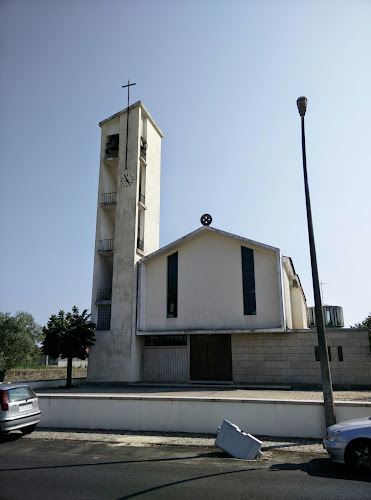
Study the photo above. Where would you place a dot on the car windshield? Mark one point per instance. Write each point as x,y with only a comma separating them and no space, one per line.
20,394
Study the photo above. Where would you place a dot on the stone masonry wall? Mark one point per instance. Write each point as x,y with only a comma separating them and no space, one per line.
46,374
289,358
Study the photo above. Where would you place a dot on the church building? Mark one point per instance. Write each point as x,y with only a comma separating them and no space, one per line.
209,307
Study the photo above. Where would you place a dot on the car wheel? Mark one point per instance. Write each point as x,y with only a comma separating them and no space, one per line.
358,455
28,429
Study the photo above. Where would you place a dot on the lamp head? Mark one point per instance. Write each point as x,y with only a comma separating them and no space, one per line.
302,105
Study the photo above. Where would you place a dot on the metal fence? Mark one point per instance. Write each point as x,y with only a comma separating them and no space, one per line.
106,245
109,199
104,294
111,153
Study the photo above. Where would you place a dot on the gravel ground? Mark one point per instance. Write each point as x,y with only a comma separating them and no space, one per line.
129,438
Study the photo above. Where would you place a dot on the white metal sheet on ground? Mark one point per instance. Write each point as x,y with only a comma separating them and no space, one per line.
237,443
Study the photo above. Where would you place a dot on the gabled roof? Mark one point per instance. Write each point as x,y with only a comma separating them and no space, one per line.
197,232
135,105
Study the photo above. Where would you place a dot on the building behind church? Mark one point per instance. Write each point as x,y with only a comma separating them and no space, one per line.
209,307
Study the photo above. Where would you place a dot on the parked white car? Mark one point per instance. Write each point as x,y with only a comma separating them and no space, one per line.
350,442
19,408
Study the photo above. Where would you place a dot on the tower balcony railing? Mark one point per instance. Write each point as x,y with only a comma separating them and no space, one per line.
109,199
106,245
104,294
111,154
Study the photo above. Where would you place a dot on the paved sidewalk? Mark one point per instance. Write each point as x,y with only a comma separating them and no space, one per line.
207,392
129,438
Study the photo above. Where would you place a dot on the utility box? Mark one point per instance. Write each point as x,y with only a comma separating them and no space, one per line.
237,443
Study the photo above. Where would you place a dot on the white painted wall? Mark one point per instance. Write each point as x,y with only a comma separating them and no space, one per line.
270,418
298,308
76,362
210,287
152,187
51,383
295,302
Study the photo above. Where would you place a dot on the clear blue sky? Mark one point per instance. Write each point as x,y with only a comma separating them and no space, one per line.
221,79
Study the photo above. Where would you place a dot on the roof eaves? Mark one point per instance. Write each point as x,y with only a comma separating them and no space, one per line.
136,104
173,244
195,233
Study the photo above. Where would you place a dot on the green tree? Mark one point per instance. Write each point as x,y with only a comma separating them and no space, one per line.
68,335
28,324
366,323
17,346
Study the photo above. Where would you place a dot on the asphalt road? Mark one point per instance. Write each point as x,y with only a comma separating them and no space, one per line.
64,469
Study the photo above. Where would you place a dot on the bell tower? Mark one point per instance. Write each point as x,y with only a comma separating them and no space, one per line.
127,229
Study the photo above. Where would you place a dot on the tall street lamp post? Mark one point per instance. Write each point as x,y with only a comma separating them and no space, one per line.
323,353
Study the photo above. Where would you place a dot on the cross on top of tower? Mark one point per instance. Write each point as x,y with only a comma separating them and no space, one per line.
128,86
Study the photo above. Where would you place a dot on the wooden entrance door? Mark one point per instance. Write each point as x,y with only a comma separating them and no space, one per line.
211,357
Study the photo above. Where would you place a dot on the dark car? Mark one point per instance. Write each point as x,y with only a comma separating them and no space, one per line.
19,408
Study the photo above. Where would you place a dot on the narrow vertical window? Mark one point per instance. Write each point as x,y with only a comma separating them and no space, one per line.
248,281
340,353
172,286
316,350
329,353
316,353
104,317
140,234
142,185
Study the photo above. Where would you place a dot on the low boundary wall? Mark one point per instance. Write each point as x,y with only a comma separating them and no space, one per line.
202,415
48,383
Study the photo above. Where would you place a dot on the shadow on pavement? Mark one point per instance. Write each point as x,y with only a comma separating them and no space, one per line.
181,481
116,462
9,438
323,467
316,467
